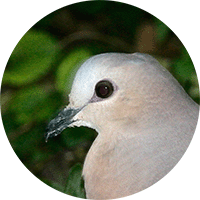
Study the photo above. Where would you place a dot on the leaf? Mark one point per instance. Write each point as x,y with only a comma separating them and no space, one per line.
184,66
34,104
67,69
31,58
74,185
162,30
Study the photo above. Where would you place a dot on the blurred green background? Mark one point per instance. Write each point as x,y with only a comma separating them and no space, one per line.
40,71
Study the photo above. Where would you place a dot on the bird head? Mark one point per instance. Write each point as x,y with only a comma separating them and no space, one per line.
112,89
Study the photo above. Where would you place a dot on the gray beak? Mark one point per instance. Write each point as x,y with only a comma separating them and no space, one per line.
61,122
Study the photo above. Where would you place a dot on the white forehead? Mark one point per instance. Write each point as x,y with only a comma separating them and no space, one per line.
95,69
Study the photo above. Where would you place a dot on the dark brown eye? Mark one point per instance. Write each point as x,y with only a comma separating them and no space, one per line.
104,89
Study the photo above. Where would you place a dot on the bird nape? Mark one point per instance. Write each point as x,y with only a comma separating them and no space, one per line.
144,119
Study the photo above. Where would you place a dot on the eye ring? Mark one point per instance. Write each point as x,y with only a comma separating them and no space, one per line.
104,89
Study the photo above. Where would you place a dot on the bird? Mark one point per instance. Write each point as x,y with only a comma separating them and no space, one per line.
144,120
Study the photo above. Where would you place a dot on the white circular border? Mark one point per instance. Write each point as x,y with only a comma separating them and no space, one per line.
16,17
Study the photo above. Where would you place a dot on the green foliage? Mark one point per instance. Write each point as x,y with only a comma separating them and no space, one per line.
74,184
162,30
74,137
31,58
29,105
183,66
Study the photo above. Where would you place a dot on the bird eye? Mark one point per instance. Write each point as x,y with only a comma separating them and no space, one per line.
104,89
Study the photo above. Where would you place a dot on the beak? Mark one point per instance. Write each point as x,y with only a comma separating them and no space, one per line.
61,122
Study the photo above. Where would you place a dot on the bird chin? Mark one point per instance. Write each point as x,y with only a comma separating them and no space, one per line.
78,123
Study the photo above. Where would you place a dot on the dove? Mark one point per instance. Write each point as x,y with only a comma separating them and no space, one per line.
144,120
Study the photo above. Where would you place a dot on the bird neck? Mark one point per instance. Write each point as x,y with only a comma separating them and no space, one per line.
141,159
